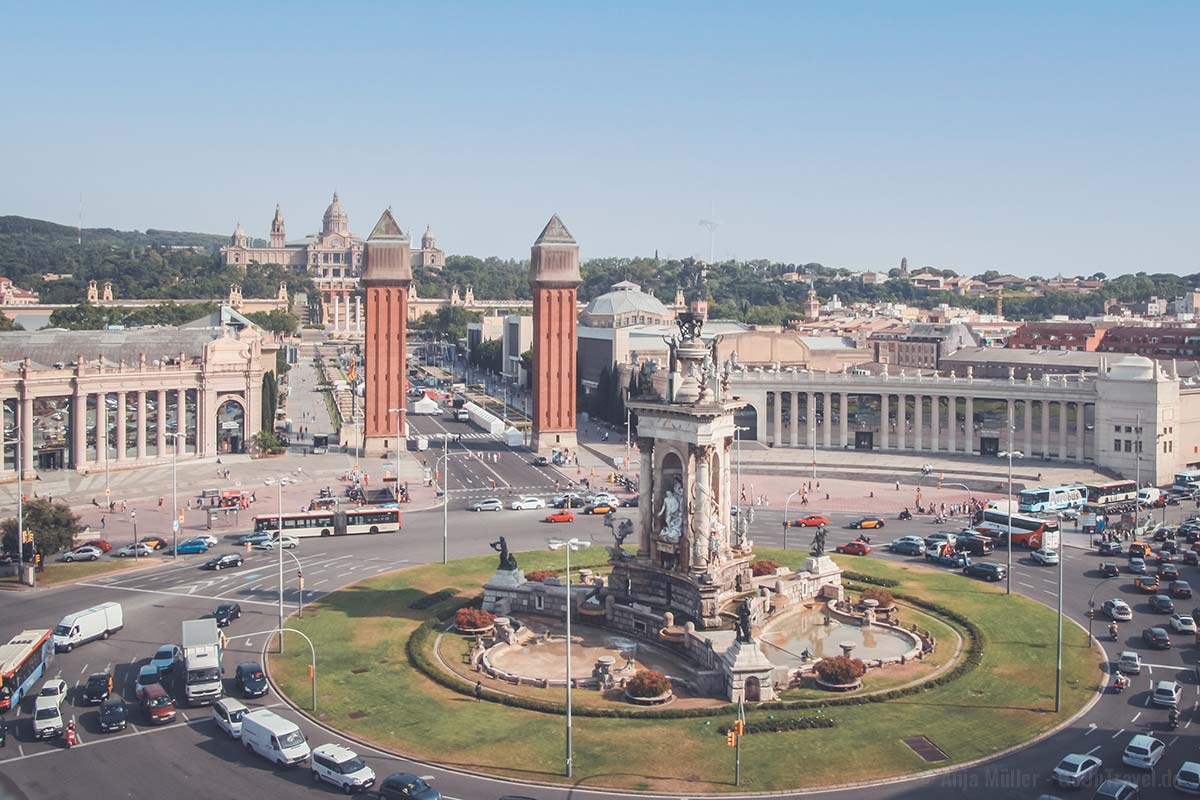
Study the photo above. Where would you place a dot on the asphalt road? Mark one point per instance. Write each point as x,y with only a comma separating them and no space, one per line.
190,758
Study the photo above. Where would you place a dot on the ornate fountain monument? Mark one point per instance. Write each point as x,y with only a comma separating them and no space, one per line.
689,587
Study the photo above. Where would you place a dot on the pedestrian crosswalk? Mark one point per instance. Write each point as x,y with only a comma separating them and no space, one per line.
432,437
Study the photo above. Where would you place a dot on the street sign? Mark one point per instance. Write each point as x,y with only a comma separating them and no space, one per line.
175,526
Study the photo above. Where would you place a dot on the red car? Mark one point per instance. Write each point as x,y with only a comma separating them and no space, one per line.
562,515
811,521
854,548
100,543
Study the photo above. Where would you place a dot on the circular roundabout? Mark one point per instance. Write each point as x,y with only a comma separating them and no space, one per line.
909,669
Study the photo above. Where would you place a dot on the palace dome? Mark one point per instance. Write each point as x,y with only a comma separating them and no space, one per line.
335,220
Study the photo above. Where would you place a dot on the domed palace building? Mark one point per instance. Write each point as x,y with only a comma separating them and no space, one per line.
332,257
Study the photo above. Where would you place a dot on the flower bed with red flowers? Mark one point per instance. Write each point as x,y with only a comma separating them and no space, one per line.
473,619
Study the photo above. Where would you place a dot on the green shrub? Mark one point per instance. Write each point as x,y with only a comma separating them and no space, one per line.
871,579
428,601
784,724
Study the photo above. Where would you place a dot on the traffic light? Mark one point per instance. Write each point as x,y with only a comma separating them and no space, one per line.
787,524
1091,613
739,727
731,739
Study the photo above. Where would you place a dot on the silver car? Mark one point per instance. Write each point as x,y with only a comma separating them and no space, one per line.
490,504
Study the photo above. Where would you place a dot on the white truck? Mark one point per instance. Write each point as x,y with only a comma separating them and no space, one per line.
97,622
201,643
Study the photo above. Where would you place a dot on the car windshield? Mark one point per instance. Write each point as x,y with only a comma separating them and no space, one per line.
236,715
164,653
1189,775
1138,750
352,766
50,712
291,739
417,786
98,681
62,630
112,709
49,691
147,678
159,702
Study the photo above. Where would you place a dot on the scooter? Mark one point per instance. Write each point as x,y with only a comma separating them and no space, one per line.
905,515
1173,719
1112,633
863,539
1119,684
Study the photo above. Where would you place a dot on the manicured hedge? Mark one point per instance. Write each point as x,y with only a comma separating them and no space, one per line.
871,579
784,724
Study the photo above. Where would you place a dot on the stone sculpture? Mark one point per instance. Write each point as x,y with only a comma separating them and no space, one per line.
671,513
508,562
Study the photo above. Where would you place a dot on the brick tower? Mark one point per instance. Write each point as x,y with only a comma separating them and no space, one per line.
386,277
554,278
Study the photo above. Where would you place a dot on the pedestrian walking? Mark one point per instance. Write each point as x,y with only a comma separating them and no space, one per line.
103,522
478,691
897,486
160,502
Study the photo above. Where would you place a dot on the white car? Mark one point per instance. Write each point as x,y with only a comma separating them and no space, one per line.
1076,770
207,538
56,689
227,714
527,504
1183,623
1013,453
1069,513
1142,752
1046,556
47,718
607,498
490,504
1166,694
139,550
1187,779
85,553
289,542
341,767
1129,662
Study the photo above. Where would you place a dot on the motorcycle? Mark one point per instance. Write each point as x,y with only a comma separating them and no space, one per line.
1119,684
1173,719
1112,632
905,515
863,538
70,735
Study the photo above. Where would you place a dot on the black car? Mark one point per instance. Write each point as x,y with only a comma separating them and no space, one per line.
112,715
1161,604
986,570
1164,556
541,461
405,786
97,688
1156,638
574,501
630,502
1162,534
1170,547
227,613
1109,569
974,545
1168,572
224,562
250,680
1191,557
1180,589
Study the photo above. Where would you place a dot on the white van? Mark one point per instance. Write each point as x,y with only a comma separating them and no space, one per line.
98,622
274,738
227,713
1148,496
422,444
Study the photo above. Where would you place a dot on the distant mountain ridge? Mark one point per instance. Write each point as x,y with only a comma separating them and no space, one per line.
13,225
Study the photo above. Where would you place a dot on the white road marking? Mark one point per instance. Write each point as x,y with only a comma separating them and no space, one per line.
1091,729
170,594
1093,750
1026,585
1135,717
1118,733
1173,741
85,666
318,583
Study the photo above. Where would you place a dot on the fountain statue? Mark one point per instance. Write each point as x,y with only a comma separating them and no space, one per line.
508,562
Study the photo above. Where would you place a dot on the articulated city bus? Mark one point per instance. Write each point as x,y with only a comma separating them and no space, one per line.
1115,493
1027,531
22,663
331,523
1186,481
1052,498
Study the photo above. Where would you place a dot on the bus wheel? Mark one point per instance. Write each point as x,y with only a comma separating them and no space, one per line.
374,529
325,531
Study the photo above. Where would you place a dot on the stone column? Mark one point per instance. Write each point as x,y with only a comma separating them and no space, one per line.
952,423
101,427
795,432
646,502
206,422
698,546
844,416
1080,430
1062,430
181,416
27,466
901,422
121,410
935,420
161,437
969,425
827,403
1028,414
777,434
78,427
141,424
919,420
884,411
1045,450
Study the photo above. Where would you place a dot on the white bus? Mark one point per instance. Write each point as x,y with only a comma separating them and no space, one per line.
1051,498
331,523
1187,481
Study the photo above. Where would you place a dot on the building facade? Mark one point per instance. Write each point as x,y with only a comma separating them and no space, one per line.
922,345
1182,342
96,400
1080,336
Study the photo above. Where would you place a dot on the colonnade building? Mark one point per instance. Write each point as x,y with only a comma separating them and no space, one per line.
91,400
1132,409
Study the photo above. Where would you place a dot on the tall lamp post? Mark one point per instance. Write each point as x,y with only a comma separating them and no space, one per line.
1008,574
568,546
176,522
444,464
1058,663
786,522
737,454
1137,470
279,547
399,434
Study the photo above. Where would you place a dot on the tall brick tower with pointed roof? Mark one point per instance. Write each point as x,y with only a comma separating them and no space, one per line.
386,277
554,278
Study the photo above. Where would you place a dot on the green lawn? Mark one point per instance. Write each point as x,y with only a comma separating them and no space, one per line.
367,687
58,571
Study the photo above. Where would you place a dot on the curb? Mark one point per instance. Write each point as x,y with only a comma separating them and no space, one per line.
570,789
80,579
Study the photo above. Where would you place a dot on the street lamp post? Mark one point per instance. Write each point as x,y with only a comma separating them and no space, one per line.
1058,663
175,521
786,521
1008,574
399,434
279,547
1137,470
568,546
133,519
812,435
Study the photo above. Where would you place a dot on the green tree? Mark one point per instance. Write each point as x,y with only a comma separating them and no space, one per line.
270,400
276,321
54,527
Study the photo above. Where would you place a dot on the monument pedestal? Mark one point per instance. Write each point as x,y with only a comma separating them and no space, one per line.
500,588
748,673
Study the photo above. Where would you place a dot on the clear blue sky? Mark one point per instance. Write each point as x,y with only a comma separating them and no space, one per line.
1027,137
